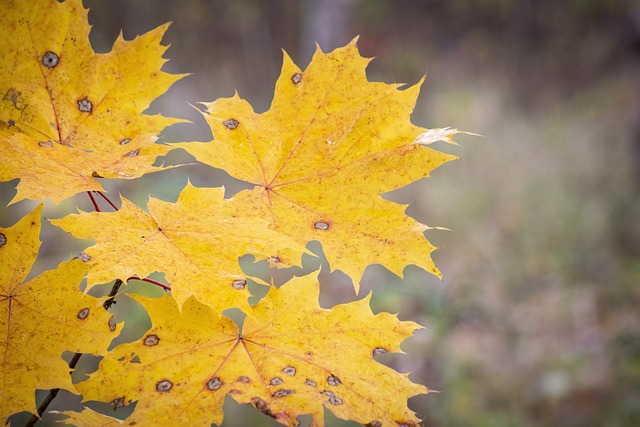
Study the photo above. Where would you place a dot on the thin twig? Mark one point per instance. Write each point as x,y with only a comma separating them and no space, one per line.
153,282
101,194
93,200
112,294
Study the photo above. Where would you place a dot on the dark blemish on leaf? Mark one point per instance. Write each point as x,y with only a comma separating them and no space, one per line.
239,284
333,380
310,383
12,95
262,406
151,340
132,153
374,423
125,141
45,143
333,399
244,379
164,386
289,370
85,105
379,350
3,239
11,123
112,323
231,124
234,391
276,381
275,259
296,78
83,314
50,59
96,174
282,393
117,403
321,225
84,257
214,383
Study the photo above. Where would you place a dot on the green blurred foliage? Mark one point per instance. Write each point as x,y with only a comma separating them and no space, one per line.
536,322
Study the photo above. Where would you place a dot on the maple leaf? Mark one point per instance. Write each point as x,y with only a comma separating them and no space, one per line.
42,318
329,146
291,358
196,242
67,114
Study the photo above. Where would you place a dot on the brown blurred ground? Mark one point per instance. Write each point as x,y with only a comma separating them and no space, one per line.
536,323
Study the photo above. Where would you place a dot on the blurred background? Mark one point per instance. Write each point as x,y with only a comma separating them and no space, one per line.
536,322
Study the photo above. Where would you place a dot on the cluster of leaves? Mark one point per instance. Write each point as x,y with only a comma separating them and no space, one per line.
329,146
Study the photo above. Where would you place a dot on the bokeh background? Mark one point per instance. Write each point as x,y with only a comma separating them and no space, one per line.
536,322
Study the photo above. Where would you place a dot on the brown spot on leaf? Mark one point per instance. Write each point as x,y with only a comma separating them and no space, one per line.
125,141
50,59
379,350
239,284
234,391
282,393
164,386
112,323
133,153
85,105
333,399
3,239
274,259
333,380
231,124
276,381
83,314
151,340
321,225
310,383
262,406
45,143
296,78
96,174
84,257
214,384
244,379
117,403
289,370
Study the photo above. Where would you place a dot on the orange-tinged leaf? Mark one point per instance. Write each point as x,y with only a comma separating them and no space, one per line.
196,242
42,318
67,114
292,358
329,146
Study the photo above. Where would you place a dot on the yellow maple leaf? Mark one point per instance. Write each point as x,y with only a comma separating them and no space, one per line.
329,146
291,358
196,242
67,114
42,318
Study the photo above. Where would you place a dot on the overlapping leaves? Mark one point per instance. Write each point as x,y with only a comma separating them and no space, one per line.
321,158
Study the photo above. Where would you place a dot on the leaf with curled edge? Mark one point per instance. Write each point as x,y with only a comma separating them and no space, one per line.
195,242
67,114
42,318
322,155
292,358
